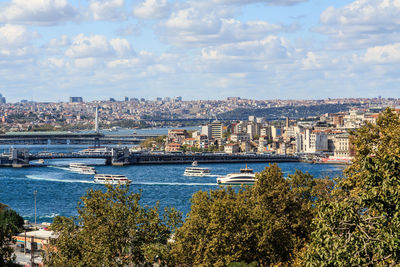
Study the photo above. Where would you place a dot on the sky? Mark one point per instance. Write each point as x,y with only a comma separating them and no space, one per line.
199,49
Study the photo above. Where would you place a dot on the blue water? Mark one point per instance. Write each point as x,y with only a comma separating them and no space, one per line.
59,190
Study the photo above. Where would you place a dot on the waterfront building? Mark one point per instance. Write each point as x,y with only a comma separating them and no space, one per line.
177,135
266,131
240,137
275,132
231,148
206,130
342,146
216,129
171,147
311,141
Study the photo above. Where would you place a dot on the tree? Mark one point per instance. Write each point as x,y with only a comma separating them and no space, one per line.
112,229
267,223
10,224
360,223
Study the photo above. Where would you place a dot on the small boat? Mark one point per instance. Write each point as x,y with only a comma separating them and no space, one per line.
40,161
196,171
244,177
81,168
111,179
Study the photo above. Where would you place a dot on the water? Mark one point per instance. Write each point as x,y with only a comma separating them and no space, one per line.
59,190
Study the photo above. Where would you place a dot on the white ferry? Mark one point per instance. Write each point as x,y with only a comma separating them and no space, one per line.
81,168
94,150
196,171
244,177
111,179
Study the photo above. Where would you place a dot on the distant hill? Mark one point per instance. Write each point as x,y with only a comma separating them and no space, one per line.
293,112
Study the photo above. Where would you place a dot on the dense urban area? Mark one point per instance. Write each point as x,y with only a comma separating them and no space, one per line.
322,132
279,220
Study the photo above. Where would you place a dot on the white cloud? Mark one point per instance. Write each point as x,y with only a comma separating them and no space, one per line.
271,48
37,12
121,47
93,46
383,54
97,46
197,27
362,23
56,62
86,63
107,9
15,36
267,2
62,42
152,9
130,29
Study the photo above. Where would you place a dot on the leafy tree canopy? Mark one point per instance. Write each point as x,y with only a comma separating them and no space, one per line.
360,224
267,223
112,229
11,223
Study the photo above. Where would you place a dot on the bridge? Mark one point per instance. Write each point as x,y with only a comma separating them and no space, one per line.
122,156
71,138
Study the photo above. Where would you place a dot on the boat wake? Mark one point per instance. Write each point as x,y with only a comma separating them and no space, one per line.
41,178
58,167
173,184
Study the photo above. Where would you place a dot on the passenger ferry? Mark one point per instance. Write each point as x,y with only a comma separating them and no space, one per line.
95,150
196,171
111,179
244,177
81,168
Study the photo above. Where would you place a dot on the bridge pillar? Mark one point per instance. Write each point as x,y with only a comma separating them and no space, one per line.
120,156
19,158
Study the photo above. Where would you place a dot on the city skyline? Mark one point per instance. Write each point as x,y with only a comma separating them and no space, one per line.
51,50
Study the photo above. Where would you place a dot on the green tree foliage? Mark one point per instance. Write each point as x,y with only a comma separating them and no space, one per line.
10,224
148,143
267,223
360,223
112,229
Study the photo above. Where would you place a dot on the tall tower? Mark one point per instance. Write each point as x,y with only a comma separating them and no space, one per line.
96,123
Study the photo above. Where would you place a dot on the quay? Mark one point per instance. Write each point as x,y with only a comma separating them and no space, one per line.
122,156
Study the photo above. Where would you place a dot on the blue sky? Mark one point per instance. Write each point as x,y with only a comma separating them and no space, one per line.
199,49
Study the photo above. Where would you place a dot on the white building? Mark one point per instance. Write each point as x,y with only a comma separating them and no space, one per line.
311,141
342,146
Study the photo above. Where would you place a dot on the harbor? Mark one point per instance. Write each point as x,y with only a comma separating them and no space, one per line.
59,189
19,157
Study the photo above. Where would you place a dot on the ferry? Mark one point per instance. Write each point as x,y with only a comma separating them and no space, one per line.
246,176
94,150
111,179
81,168
196,171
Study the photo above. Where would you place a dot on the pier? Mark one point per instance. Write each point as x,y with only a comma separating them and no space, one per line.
122,156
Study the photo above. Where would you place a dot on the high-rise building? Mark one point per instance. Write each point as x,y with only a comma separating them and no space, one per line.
75,99
2,99
216,129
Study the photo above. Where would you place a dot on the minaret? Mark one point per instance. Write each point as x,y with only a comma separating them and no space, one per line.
96,123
